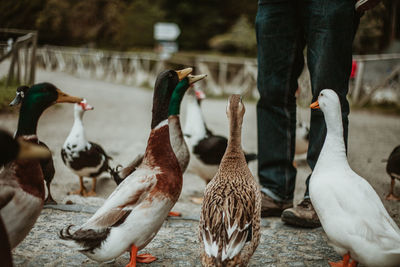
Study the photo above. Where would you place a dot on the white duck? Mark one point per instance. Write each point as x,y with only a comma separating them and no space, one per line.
350,211
84,158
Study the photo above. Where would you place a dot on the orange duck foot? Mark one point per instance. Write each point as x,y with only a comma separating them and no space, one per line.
145,258
342,263
337,264
142,258
392,197
174,214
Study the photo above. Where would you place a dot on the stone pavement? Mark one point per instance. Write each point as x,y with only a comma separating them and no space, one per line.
175,245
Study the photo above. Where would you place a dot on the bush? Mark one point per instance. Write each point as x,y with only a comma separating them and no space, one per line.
7,93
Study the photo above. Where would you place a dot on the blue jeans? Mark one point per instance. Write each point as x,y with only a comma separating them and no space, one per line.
284,28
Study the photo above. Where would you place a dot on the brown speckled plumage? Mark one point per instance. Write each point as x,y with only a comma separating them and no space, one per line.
230,216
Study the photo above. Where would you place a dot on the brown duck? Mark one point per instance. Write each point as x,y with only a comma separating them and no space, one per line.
24,177
229,229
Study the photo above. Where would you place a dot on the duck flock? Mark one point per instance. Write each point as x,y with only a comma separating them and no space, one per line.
351,213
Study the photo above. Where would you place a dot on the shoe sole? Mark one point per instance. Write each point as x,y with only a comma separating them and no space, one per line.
292,219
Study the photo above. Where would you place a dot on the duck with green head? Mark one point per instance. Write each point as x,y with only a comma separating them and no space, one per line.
133,214
47,164
25,177
175,131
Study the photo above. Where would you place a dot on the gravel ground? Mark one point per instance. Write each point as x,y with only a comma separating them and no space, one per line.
121,124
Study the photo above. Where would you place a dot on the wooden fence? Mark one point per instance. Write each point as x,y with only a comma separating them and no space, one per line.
226,75
22,54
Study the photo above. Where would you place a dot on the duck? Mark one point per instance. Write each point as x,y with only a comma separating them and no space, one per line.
351,213
24,177
82,157
47,164
229,228
13,149
133,214
206,149
175,130
393,170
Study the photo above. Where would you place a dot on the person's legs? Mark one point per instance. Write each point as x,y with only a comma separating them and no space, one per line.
329,54
329,28
280,62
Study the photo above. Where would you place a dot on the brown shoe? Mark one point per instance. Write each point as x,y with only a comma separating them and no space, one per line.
271,207
302,215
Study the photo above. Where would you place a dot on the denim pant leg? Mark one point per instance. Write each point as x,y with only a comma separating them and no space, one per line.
280,44
329,28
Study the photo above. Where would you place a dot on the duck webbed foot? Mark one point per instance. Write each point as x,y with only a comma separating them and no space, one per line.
197,200
342,263
142,258
92,193
82,189
145,258
391,195
174,214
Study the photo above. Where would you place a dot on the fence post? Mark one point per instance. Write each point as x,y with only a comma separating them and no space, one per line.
33,59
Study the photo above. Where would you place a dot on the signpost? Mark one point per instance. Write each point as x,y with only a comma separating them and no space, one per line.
165,35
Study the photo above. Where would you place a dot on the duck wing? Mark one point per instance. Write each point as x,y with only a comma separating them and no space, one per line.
125,198
47,166
227,221
358,211
96,148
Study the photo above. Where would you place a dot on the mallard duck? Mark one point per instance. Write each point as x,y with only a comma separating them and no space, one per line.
229,229
13,149
393,169
47,164
351,212
175,131
25,177
84,158
132,215
206,149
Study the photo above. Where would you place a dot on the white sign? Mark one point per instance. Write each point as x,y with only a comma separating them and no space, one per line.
166,31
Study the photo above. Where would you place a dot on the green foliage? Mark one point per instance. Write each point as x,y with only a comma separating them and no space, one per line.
128,24
137,24
7,93
20,13
240,38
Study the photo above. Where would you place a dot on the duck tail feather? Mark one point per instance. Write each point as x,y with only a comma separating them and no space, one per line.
88,239
114,172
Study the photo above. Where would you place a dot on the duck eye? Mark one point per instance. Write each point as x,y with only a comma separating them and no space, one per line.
321,94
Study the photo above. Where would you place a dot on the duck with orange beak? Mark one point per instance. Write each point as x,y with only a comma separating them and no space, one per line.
24,177
351,212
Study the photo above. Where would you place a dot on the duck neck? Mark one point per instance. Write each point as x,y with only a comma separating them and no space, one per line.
195,125
177,96
235,135
28,119
158,144
334,147
160,109
77,129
